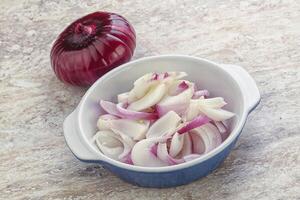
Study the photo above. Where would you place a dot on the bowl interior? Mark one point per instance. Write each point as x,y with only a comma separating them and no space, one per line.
205,74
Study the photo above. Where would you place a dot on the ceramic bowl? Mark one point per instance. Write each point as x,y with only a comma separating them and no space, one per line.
228,81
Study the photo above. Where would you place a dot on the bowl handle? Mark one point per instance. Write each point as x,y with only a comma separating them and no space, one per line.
247,84
74,141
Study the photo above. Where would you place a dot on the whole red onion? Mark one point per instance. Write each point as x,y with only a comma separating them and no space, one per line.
91,46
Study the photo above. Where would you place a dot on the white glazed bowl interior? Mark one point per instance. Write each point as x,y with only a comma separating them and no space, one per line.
206,75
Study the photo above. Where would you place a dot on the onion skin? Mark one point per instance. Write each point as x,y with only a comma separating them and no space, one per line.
92,46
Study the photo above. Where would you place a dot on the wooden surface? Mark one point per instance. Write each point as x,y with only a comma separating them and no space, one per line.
261,36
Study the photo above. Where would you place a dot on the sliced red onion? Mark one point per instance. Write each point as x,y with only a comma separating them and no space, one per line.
198,143
176,146
131,128
153,149
103,121
123,98
182,86
168,76
144,83
155,77
162,76
150,99
140,90
216,114
222,129
109,143
109,107
128,144
162,153
129,114
179,102
141,154
167,106
120,111
177,75
127,159
164,125
217,102
209,107
187,147
207,135
135,135
143,79
198,121
192,111
200,93
214,134
142,86
108,117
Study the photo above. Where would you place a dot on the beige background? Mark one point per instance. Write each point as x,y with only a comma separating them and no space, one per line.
261,36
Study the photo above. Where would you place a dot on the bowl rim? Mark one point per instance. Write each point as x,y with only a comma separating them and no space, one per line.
103,158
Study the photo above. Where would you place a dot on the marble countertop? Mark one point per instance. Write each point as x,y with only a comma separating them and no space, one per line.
261,36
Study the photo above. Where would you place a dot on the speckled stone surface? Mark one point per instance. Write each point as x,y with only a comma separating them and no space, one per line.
261,36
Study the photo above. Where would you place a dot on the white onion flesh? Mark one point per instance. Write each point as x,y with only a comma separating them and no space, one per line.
152,97
164,125
109,143
179,102
141,154
176,144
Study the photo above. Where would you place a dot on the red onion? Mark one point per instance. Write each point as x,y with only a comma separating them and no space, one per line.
200,93
91,46
196,122
119,110
161,121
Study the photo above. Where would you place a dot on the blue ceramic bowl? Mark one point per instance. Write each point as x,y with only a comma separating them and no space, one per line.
228,81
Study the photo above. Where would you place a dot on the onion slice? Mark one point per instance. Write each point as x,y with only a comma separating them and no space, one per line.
217,102
177,75
187,147
144,83
222,129
142,155
109,143
205,138
177,142
162,153
123,98
102,122
217,114
178,88
192,111
128,144
130,114
196,122
120,111
179,102
200,93
140,89
127,159
150,99
209,107
164,125
109,107
134,129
